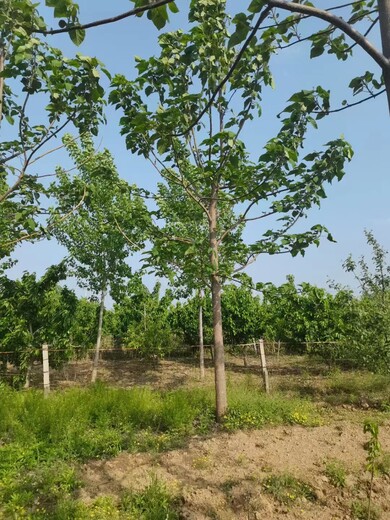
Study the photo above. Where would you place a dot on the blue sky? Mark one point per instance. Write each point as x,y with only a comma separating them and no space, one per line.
359,201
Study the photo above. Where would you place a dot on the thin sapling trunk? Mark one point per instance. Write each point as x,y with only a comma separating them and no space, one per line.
99,336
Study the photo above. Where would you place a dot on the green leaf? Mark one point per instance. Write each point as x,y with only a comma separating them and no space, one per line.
173,7
77,36
159,16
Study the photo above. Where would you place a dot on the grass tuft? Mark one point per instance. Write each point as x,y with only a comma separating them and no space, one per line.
287,489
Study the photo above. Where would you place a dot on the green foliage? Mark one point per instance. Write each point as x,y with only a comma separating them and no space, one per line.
33,312
367,342
110,224
84,327
336,473
373,446
183,318
69,92
141,319
242,315
305,313
330,40
287,489
374,450
204,164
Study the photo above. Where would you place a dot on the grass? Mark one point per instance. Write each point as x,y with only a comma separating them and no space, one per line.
43,440
361,511
287,489
154,502
336,473
358,388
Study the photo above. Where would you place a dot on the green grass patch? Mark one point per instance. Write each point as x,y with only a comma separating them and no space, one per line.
358,387
336,473
287,489
154,502
249,408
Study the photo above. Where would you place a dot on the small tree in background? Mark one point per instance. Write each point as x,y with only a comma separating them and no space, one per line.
370,338
110,224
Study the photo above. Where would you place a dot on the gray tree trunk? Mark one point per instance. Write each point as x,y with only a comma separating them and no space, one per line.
1,83
201,339
384,21
219,354
99,337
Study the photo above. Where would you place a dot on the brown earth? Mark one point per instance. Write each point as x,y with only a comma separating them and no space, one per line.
222,477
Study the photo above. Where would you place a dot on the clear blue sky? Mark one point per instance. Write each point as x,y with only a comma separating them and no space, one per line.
359,201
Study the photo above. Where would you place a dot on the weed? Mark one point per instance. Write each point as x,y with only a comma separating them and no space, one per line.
43,439
153,503
228,485
336,473
373,449
364,511
251,409
201,462
384,464
288,489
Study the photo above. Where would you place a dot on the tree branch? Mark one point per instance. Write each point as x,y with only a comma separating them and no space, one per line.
349,105
338,22
105,21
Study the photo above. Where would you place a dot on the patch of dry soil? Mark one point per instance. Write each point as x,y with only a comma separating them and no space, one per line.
221,477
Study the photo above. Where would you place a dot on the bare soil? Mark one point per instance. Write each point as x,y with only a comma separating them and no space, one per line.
222,477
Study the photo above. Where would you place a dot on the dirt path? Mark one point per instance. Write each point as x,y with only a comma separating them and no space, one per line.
222,477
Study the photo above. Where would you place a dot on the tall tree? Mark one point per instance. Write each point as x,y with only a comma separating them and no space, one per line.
110,224
209,161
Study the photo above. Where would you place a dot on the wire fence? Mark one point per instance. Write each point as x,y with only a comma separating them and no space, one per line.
123,365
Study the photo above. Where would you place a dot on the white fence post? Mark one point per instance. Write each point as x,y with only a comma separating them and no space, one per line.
46,369
264,366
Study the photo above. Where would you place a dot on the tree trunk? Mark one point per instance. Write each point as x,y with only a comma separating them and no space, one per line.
30,361
27,381
1,83
219,355
384,21
201,340
99,337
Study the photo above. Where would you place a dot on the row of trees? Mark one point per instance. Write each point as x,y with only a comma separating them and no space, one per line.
337,325
186,112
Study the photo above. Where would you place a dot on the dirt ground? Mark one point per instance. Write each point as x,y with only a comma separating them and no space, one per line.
168,374
222,477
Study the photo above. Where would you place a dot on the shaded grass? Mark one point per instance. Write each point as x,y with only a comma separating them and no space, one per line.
358,388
